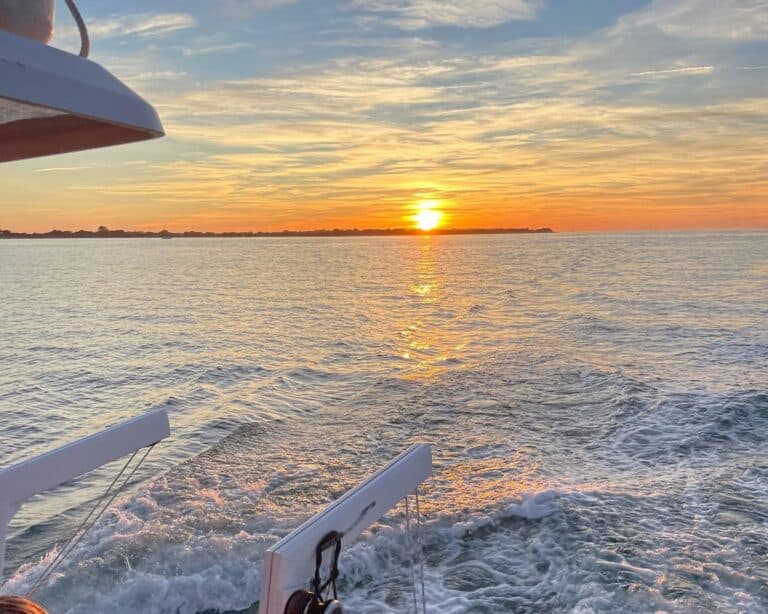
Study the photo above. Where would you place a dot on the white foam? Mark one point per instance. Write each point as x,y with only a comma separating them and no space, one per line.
533,506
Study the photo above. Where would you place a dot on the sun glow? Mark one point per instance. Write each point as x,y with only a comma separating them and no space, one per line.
428,218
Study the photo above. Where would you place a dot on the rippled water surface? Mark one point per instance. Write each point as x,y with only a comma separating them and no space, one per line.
598,406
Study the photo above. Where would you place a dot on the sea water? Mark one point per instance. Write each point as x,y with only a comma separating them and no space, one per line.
597,403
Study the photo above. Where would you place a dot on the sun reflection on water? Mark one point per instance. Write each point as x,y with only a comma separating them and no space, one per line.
428,343
426,285
483,483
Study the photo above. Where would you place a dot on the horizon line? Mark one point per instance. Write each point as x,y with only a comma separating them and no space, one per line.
320,232
105,232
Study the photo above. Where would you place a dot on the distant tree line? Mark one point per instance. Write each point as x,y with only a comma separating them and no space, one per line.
104,232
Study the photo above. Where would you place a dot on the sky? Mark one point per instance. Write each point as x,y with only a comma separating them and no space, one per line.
303,114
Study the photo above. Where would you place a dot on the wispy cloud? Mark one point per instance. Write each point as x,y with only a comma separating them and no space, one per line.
242,9
159,75
675,72
256,4
145,25
63,169
212,49
723,20
417,14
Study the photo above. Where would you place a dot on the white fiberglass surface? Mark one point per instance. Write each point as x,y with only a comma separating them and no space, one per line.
11,111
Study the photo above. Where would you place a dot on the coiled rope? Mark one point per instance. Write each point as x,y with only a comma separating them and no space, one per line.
85,41
90,520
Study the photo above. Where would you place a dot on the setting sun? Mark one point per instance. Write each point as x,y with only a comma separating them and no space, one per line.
428,218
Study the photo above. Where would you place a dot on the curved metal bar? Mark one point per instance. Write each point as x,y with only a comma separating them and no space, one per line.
85,41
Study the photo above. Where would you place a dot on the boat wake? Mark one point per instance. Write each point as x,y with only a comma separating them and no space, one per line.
596,448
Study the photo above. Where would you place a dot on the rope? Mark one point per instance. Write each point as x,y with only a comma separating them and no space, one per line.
85,41
60,556
85,525
423,540
410,550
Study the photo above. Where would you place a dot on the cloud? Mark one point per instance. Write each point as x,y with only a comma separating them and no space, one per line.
64,169
243,8
675,72
159,75
145,25
723,20
262,4
418,14
675,39
533,130
142,25
213,49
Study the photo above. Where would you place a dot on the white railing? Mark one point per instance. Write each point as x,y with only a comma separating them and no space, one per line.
20,482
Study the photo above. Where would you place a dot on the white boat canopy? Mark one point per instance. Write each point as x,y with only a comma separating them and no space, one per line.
53,102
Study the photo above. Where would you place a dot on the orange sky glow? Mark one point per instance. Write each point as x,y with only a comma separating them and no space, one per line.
636,116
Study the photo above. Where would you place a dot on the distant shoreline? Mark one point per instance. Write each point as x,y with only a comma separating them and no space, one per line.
105,233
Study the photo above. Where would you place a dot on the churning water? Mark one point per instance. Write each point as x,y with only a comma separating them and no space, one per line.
598,406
